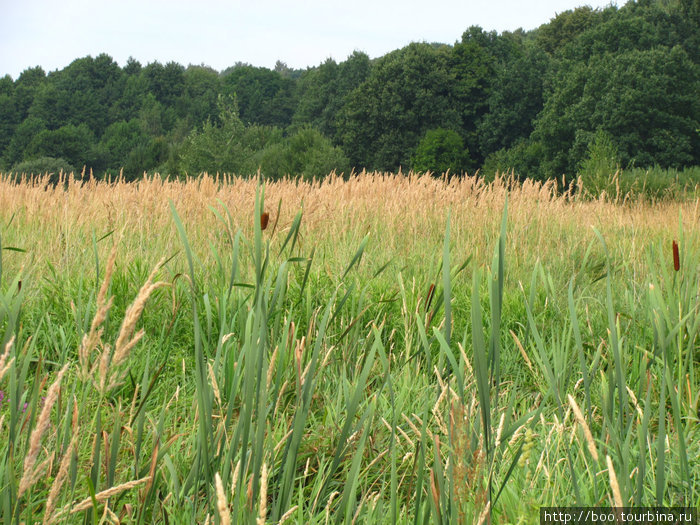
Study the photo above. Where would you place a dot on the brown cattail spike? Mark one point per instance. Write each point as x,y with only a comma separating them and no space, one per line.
264,219
676,257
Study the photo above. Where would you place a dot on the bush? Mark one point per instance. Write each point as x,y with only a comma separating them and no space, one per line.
598,169
441,150
524,160
42,166
307,153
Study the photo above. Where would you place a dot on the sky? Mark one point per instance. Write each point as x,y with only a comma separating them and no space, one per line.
218,33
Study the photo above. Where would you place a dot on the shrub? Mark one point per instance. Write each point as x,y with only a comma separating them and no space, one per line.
42,166
441,150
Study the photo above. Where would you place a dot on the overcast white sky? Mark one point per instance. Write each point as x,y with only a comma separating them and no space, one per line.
218,33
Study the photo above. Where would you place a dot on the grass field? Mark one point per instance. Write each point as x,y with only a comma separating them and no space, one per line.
389,349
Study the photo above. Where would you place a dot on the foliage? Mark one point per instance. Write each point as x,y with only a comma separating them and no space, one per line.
406,93
644,99
441,150
70,142
630,71
264,97
43,165
523,160
598,169
306,153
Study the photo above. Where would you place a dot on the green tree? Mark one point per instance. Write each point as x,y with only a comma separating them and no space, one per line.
306,153
23,135
25,88
117,143
201,91
441,150
600,164
264,97
42,166
473,65
323,90
9,117
523,160
516,99
165,82
646,100
407,92
218,147
567,26
72,143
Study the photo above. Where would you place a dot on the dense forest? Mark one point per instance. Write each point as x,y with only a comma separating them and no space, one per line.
621,83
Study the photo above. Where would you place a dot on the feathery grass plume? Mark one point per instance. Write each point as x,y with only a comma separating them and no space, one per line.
57,484
617,497
586,431
93,338
221,503
127,339
30,473
4,363
676,257
484,514
287,514
87,503
262,512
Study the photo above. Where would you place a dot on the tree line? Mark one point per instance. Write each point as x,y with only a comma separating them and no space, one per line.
620,82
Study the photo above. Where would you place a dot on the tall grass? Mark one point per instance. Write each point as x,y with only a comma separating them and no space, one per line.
166,358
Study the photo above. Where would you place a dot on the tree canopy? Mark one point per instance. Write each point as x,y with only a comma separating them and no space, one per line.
535,101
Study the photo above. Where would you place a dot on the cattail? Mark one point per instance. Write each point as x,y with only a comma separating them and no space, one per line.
264,219
676,257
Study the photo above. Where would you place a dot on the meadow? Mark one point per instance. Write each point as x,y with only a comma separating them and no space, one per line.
385,348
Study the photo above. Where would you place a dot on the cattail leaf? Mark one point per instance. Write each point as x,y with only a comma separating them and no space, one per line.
481,362
456,370
188,251
661,445
357,257
293,233
446,281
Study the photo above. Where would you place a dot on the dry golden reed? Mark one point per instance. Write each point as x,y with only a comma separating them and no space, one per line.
584,426
221,503
57,484
5,364
410,209
617,497
103,496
